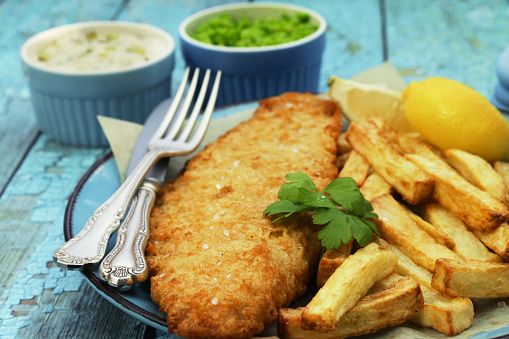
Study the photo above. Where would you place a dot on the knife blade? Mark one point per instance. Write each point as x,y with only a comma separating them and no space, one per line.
125,264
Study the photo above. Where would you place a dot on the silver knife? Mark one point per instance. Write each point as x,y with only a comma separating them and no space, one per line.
125,264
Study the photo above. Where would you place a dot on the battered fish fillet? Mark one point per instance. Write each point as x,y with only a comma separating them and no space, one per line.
219,268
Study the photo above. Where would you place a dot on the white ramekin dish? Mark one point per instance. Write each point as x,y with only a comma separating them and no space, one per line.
67,101
251,73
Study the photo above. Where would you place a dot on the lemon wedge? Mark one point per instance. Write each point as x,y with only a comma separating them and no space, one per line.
359,101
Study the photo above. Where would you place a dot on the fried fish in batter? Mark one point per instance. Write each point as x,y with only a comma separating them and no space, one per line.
219,268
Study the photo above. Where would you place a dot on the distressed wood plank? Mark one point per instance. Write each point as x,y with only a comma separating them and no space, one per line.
92,317
24,18
354,36
32,210
456,39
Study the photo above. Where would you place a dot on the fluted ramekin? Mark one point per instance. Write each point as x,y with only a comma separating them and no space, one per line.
251,73
67,102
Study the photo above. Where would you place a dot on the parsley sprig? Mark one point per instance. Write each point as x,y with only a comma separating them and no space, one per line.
340,207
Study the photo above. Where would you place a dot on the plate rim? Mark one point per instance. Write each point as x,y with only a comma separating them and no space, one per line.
97,283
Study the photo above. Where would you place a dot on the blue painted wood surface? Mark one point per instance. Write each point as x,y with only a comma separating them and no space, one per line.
455,39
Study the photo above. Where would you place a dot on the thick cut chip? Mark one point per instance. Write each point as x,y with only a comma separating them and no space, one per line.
477,171
374,186
497,240
503,169
484,212
406,266
349,283
385,308
466,243
444,313
404,143
471,278
414,185
437,234
355,167
330,261
401,230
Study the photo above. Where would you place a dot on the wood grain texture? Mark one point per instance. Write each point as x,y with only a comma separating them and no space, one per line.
354,36
23,19
458,39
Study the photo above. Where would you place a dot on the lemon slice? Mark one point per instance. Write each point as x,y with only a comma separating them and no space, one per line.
359,101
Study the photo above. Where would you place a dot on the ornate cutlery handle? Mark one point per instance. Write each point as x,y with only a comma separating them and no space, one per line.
126,264
89,246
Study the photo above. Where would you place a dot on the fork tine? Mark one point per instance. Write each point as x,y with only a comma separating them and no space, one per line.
176,126
171,111
197,107
202,128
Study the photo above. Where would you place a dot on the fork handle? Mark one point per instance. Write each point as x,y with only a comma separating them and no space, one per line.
89,245
126,264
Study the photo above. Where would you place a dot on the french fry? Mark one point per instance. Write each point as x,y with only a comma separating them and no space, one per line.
437,234
388,307
343,145
414,185
330,261
355,167
497,240
466,243
477,171
503,169
406,266
404,143
346,286
472,278
399,229
446,314
374,186
484,212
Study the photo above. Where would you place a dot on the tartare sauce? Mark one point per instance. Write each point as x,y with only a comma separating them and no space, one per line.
99,50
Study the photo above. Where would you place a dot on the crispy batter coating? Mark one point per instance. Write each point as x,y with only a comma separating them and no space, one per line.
219,268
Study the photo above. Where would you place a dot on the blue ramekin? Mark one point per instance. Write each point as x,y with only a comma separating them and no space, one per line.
251,73
67,103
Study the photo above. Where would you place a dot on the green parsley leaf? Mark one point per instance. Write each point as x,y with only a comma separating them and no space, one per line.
340,207
314,199
362,229
368,208
336,230
286,207
345,192
290,190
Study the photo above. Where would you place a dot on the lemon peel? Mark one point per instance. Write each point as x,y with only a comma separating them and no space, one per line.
449,114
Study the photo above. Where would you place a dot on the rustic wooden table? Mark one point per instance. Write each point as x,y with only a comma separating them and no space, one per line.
458,39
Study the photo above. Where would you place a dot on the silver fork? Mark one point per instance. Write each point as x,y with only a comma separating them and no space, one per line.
89,246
